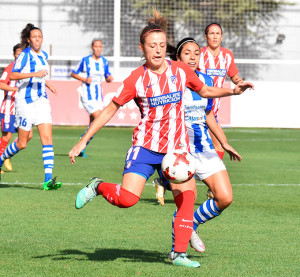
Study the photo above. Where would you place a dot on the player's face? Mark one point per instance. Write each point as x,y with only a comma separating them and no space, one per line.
154,49
97,48
17,53
35,40
190,54
214,37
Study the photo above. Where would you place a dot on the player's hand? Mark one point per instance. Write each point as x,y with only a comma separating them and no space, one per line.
76,151
241,87
52,88
232,153
41,74
88,80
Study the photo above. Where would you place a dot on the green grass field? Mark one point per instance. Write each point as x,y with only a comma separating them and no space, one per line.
42,234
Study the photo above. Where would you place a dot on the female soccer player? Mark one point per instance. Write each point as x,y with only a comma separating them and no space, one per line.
94,67
32,105
217,62
7,109
210,169
157,87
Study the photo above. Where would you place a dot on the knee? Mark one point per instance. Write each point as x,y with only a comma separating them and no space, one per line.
224,201
21,144
127,199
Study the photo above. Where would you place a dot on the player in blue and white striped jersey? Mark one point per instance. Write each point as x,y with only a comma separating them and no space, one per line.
209,167
91,70
32,105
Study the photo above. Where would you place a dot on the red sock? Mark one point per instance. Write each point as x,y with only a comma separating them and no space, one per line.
3,144
183,223
220,154
117,196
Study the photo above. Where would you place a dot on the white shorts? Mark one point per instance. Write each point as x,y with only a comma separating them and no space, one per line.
207,164
92,105
35,113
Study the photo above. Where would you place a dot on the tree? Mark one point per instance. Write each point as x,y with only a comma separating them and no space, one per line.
247,24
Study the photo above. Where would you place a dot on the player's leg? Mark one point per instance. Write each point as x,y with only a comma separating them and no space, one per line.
4,140
124,196
219,184
15,147
93,107
138,168
7,128
45,132
184,197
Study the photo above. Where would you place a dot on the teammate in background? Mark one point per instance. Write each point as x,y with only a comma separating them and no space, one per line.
94,67
7,109
209,167
157,87
32,105
217,62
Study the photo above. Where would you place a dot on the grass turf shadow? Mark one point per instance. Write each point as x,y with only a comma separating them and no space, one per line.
3,185
110,254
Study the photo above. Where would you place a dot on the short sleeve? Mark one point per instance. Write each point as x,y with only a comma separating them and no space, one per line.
106,68
126,91
20,62
5,75
232,70
192,79
79,67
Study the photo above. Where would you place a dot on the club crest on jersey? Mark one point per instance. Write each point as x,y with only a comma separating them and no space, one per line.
216,72
174,79
165,99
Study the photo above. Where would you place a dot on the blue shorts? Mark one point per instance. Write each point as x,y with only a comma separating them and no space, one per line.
8,123
144,162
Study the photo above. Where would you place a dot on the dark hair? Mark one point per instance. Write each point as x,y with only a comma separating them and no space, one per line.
25,34
17,46
94,40
174,52
156,24
207,27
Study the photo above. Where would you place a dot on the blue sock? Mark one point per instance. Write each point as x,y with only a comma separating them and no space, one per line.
48,159
207,211
9,152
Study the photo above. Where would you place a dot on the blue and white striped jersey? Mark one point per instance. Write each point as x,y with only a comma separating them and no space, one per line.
31,89
195,117
96,69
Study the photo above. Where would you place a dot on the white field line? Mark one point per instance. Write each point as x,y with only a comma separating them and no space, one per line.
151,184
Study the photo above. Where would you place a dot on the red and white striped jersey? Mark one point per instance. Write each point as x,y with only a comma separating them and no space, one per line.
159,98
217,68
8,103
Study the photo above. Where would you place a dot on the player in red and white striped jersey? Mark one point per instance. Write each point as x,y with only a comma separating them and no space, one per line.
217,62
157,88
7,109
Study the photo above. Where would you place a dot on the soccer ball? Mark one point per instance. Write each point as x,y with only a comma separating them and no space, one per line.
178,166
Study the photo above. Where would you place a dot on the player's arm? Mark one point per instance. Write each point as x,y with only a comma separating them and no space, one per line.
96,125
221,137
51,87
214,92
6,87
82,79
236,79
19,75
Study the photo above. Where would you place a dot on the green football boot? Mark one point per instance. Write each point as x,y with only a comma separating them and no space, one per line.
181,259
87,193
52,184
